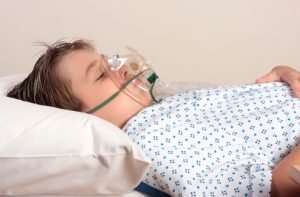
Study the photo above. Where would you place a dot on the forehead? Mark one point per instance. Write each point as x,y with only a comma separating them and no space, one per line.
73,65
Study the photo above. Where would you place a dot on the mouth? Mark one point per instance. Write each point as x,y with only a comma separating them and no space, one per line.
140,83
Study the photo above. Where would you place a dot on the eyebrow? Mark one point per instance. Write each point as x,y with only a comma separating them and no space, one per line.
91,65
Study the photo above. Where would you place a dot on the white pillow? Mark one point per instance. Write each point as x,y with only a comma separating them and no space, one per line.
46,150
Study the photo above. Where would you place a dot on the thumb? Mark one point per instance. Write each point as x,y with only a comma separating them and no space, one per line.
270,77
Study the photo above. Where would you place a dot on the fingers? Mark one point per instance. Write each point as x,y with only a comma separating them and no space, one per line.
270,77
296,89
285,74
293,79
295,85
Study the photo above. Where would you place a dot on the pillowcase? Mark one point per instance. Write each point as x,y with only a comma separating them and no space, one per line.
46,150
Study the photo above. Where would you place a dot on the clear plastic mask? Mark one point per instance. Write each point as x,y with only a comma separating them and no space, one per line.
132,74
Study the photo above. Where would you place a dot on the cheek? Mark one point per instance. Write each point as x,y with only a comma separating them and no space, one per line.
94,94
100,93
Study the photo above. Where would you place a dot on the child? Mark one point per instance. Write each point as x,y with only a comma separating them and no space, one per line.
239,162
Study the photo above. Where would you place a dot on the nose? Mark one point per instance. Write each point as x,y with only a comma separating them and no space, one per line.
124,73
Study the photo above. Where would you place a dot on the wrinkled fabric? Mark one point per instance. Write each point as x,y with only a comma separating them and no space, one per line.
222,141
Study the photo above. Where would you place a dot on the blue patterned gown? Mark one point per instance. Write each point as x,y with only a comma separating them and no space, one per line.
223,141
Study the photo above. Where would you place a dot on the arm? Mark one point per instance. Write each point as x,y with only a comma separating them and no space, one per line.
285,74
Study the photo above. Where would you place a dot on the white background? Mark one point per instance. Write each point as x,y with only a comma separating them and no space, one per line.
221,42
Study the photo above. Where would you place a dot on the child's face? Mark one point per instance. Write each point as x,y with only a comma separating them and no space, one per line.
92,85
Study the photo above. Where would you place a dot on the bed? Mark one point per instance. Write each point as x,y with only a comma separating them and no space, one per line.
35,153
50,151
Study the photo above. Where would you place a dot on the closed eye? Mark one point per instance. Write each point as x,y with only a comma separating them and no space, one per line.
101,76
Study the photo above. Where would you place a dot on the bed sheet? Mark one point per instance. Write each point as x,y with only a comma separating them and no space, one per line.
134,193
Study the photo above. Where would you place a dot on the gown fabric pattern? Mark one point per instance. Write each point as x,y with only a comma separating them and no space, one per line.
222,141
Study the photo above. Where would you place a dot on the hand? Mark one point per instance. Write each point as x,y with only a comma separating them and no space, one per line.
284,74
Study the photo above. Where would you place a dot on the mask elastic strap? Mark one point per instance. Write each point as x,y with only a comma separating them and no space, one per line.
115,94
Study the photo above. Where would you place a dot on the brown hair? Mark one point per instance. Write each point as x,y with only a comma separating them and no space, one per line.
44,85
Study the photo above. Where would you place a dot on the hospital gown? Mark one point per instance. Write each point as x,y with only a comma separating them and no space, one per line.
223,141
